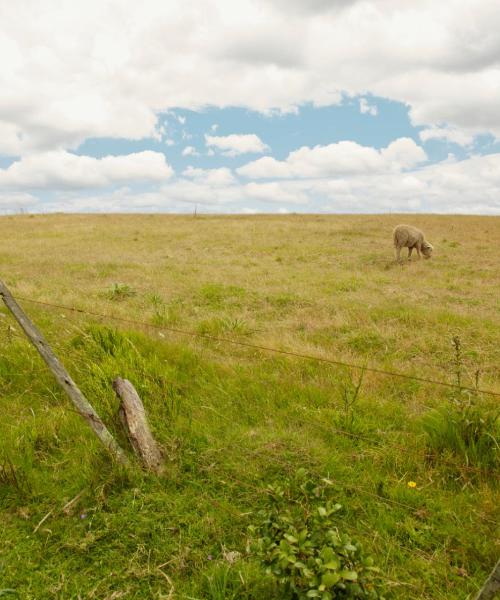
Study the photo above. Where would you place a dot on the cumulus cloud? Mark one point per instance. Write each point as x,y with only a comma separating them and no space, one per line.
59,169
234,144
17,201
365,108
108,70
342,158
219,177
467,186
451,134
190,151
403,153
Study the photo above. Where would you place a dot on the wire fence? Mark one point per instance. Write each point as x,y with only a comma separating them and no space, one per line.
326,428
261,348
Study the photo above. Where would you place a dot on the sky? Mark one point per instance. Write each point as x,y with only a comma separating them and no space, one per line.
250,106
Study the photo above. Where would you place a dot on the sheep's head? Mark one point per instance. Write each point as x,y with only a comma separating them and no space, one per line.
427,250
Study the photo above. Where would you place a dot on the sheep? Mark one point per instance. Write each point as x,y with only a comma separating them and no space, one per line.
406,236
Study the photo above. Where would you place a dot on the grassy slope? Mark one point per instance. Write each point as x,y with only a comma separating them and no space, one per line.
231,419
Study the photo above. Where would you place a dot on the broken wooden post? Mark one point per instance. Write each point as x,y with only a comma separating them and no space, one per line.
492,585
133,417
62,376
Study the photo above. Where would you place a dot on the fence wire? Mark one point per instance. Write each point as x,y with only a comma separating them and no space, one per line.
262,348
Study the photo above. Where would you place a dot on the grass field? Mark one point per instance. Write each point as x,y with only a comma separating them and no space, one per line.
233,420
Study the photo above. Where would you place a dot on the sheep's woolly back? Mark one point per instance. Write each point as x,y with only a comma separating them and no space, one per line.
406,236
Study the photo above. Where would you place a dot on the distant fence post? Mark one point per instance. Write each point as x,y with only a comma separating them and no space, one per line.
491,586
82,405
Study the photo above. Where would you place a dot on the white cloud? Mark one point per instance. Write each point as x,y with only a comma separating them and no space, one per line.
468,186
403,153
190,151
219,177
59,169
342,158
365,108
234,144
107,71
110,70
159,133
17,201
452,134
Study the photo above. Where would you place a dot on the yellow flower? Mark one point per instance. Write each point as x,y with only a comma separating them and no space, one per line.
412,484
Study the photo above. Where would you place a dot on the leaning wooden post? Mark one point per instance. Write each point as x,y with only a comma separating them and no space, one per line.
63,378
133,417
492,585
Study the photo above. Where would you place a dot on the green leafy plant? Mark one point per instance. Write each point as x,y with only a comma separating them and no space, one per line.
121,291
299,541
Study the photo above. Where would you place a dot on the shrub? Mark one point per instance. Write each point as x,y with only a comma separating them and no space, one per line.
299,542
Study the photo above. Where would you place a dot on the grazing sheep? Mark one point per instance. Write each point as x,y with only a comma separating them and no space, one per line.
406,236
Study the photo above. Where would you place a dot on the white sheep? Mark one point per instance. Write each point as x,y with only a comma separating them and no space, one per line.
406,236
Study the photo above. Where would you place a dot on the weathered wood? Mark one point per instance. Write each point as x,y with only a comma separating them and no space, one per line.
82,405
133,417
492,585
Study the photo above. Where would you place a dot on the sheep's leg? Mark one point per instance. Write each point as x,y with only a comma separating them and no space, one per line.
410,250
398,253
418,247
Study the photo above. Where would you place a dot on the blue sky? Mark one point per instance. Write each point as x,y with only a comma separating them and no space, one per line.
308,126
255,106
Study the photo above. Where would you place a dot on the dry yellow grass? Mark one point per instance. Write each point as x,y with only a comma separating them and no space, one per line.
327,284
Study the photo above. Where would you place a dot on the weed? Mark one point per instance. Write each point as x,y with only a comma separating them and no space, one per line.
466,430
220,326
299,540
165,314
350,395
120,291
217,295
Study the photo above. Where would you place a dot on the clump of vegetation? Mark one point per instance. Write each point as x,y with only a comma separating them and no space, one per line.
164,314
300,542
466,431
120,291
217,295
220,326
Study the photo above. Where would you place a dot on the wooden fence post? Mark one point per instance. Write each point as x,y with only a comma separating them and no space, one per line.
133,417
491,586
82,405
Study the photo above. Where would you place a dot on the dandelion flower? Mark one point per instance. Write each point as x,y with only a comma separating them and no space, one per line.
412,484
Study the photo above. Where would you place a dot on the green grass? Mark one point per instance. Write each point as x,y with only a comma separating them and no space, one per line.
232,420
